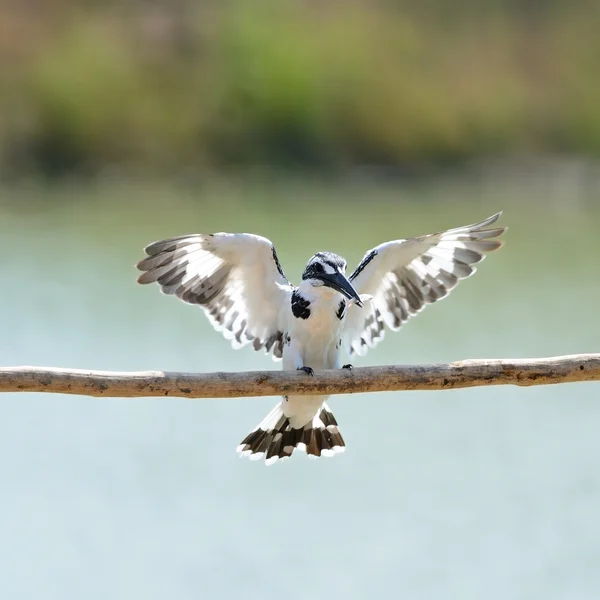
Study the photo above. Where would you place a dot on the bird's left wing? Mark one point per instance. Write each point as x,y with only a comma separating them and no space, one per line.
235,277
404,276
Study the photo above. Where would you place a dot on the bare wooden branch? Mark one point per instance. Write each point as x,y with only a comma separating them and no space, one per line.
466,373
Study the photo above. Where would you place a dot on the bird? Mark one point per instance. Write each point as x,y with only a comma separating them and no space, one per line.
238,281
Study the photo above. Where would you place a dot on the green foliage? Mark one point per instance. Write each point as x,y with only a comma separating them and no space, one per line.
322,85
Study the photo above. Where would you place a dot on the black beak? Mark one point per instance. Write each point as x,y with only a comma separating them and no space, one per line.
338,282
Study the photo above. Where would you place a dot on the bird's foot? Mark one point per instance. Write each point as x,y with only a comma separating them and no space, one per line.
348,366
307,370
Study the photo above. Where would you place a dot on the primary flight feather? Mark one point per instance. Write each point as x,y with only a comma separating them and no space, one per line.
238,281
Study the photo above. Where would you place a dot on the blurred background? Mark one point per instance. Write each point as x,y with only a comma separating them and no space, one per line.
182,85
323,126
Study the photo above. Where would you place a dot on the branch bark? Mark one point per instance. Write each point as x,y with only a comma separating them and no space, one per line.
462,374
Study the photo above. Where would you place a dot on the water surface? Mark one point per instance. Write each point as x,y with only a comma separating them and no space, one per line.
467,494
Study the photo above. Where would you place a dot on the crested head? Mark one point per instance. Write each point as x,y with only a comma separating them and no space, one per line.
327,270
324,263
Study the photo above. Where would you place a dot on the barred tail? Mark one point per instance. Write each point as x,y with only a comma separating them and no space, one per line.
275,439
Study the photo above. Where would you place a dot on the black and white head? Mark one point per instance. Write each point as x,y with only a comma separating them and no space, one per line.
329,269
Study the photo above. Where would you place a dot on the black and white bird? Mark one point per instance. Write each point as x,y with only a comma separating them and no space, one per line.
238,281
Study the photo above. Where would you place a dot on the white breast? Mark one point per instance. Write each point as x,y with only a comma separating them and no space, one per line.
317,338
313,342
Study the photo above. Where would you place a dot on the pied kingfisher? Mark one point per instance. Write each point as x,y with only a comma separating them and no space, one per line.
238,281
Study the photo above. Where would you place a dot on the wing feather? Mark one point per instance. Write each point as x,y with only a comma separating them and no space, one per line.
235,277
404,276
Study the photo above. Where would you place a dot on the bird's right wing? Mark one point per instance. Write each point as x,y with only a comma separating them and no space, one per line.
404,276
235,277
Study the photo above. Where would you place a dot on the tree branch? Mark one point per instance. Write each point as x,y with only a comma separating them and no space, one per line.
462,374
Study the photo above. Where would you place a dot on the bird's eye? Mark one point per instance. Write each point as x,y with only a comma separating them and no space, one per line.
318,267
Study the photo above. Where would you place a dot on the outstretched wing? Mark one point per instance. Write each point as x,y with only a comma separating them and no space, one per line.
404,276
235,277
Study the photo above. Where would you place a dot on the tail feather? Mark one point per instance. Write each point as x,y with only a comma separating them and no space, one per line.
275,439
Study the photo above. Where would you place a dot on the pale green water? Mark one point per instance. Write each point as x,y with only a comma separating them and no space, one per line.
484,493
